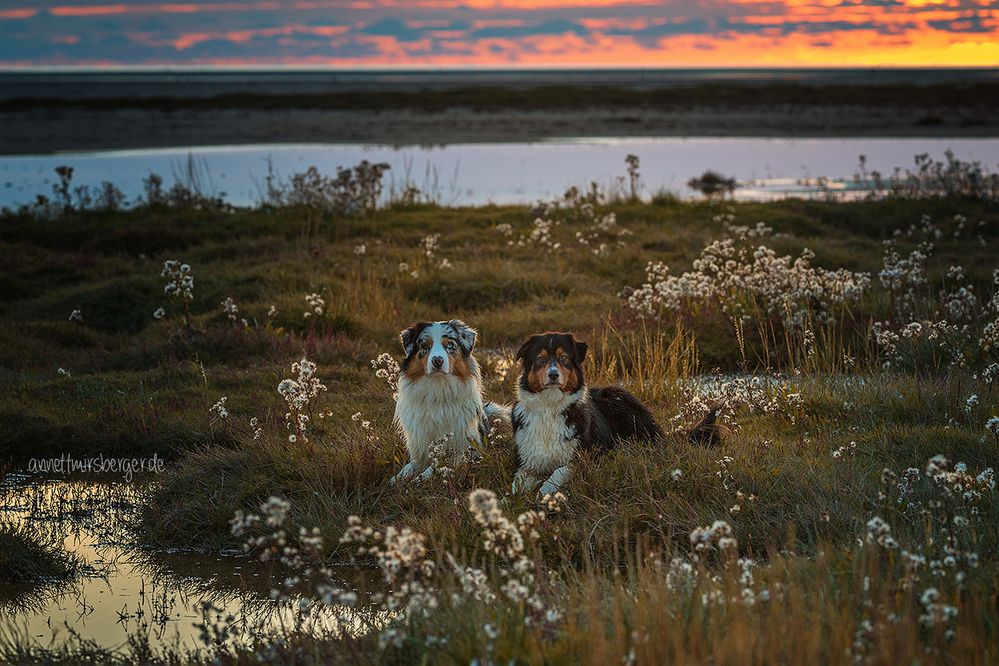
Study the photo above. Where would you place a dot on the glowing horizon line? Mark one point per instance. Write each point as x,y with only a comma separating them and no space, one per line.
422,67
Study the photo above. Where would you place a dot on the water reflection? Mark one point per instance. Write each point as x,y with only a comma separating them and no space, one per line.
174,601
505,173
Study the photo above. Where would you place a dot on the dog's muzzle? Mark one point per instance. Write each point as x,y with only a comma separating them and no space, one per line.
436,364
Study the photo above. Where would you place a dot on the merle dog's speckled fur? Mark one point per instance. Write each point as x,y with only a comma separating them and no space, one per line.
440,405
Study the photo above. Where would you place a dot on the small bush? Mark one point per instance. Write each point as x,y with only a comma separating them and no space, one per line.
712,184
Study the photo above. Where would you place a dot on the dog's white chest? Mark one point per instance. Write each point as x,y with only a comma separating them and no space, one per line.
430,410
545,440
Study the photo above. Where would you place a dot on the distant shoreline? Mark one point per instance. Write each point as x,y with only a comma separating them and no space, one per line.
174,82
63,121
51,131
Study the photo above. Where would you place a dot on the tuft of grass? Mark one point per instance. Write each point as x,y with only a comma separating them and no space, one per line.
25,558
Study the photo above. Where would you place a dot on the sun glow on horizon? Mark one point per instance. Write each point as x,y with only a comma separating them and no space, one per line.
502,33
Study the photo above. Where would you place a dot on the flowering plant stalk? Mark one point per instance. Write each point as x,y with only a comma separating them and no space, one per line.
179,287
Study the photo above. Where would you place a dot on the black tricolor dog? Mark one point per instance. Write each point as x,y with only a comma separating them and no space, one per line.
556,414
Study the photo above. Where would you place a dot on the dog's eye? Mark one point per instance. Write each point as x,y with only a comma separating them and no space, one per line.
539,361
449,346
423,352
563,359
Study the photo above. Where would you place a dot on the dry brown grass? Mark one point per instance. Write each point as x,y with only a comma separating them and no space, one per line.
137,386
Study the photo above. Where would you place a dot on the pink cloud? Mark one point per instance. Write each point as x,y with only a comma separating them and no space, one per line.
502,32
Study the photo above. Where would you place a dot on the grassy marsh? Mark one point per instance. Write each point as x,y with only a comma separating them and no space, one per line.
132,384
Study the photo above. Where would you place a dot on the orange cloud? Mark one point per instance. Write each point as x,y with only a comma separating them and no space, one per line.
190,39
848,48
163,8
742,33
180,8
18,13
93,10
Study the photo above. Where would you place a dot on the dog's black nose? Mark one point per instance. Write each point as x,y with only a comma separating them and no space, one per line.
437,361
553,375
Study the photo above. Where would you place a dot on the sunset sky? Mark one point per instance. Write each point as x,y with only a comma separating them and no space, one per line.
500,33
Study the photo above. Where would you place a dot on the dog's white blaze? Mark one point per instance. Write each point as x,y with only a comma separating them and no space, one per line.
554,366
435,406
545,442
436,333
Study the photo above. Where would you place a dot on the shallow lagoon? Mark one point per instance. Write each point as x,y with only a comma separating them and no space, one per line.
503,173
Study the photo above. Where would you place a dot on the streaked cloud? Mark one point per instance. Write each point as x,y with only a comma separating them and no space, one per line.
501,32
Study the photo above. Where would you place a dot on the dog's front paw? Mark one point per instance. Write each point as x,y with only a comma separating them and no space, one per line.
555,482
404,473
547,489
523,483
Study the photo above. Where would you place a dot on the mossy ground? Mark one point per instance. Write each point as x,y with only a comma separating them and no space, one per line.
136,386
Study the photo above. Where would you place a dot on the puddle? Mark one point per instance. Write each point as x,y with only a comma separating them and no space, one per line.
126,591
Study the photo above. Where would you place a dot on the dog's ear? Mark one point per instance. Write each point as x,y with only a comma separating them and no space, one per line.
579,349
410,336
465,334
525,348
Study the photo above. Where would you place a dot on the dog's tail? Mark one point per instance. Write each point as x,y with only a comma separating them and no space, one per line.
708,431
495,411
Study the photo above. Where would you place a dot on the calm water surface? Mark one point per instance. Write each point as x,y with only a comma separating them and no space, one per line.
126,590
509,173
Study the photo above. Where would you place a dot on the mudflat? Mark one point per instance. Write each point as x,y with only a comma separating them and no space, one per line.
49,130
58,117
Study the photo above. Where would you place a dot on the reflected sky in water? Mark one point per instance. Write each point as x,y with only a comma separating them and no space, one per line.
125,590
508,173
